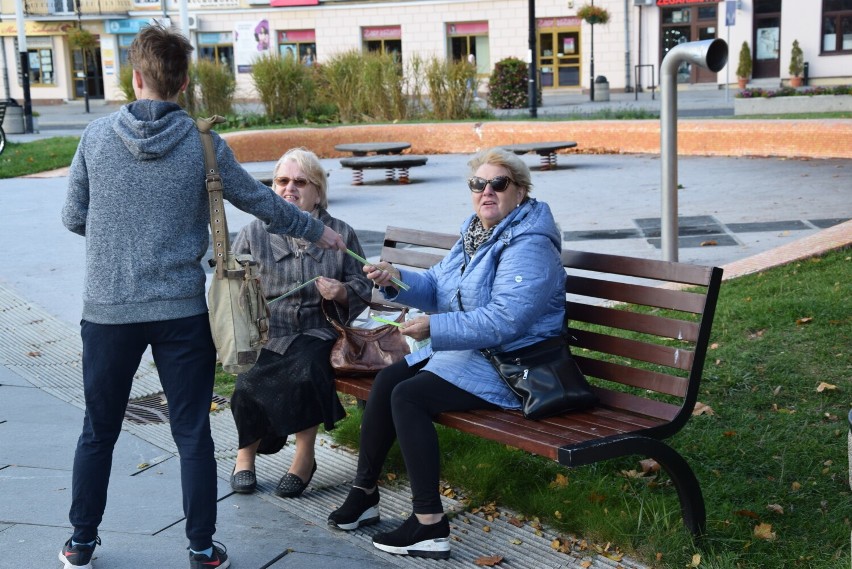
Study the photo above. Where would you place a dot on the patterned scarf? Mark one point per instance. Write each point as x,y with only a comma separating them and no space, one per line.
475,236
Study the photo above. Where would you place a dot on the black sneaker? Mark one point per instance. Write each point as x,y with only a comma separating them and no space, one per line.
359,509
218,559
79,555
418,540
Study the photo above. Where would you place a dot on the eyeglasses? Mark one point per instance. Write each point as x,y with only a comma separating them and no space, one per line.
283,181
498,184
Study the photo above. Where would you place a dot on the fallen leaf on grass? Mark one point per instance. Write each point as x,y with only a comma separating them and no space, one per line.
488,560
747,514
764,531
795,486
804,320
515,522
560,482
585,564
213,406
823,386
757,334
696,560
649,465
702,409
516,541
775,508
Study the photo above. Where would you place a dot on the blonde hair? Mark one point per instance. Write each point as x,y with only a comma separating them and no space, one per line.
518,170
310,165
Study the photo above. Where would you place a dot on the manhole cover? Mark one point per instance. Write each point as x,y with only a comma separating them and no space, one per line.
153,409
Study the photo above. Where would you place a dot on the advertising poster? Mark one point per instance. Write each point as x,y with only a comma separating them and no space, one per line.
251,39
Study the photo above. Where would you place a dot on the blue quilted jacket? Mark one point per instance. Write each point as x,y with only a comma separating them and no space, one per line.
510,294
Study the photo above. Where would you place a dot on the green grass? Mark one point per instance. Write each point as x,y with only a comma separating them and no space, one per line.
24,158
773,440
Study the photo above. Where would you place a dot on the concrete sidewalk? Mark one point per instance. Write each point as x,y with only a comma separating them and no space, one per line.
742,213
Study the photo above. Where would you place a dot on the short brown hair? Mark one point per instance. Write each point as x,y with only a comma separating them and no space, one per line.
161,54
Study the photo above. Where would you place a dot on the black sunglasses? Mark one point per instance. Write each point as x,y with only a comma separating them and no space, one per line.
498,184
284,180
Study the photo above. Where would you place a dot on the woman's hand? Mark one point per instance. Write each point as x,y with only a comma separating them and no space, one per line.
381,273
331,289
417,328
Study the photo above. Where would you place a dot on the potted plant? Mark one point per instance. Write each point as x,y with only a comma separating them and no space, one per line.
744,66
797,65
593,14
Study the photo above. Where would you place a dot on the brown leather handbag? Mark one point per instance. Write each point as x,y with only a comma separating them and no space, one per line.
366,351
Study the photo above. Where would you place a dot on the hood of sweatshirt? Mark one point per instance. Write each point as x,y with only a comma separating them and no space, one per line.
149,129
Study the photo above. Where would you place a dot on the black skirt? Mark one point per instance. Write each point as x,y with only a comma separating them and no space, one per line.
285,394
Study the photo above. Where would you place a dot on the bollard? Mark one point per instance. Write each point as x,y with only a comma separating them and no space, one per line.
13,122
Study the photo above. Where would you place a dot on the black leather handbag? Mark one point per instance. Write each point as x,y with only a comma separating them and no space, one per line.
545,377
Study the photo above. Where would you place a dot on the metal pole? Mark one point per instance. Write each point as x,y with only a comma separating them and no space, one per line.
592,67
627,87
532,92
85,60
712,54
24,60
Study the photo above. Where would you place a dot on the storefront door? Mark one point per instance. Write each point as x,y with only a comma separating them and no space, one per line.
559,52
685,24
88,73
767,39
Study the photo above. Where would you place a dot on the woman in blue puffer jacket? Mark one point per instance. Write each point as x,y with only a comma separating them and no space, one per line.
501,286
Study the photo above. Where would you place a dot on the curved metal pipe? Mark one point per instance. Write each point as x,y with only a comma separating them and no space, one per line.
712,54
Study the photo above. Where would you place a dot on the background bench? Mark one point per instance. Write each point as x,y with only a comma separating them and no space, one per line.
547,151
645,365
391,164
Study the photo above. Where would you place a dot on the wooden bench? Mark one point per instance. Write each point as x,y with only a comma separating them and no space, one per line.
547,151
391,164
645,365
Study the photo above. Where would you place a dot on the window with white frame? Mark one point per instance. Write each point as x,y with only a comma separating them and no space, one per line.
836,26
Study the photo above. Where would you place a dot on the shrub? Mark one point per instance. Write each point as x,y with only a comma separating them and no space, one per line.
744,66
508,84
342,83
125,83
216,87
449,92
797,60
285,86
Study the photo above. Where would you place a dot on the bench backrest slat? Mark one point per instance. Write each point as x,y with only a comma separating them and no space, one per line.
667,356
632,266
634,377
635,294
645,323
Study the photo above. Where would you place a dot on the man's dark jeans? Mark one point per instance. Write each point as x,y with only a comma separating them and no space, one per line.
185,357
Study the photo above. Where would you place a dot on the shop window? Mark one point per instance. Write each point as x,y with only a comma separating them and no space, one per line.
466,39
298,44
217,47
837,26
41,67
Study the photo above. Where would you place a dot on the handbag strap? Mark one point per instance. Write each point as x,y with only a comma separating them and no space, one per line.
213,181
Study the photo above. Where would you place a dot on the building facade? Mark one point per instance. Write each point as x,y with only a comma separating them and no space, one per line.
627,50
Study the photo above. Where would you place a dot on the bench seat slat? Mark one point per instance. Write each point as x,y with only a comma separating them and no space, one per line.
635,294
677,358
635,267
635,322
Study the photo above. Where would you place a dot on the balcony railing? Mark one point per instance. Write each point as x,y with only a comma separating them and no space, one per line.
68,7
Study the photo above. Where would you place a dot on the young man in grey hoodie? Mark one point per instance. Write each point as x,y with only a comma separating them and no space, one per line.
136,192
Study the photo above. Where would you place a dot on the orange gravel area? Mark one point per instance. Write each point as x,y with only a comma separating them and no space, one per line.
828,138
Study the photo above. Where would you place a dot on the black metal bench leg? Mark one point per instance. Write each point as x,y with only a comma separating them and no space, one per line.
684,480
357,177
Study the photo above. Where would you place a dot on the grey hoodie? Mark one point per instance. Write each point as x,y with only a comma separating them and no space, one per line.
136,192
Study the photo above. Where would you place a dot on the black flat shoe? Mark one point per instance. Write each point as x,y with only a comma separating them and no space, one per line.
244,482
291,486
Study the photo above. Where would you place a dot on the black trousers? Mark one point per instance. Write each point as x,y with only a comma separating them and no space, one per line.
402,405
